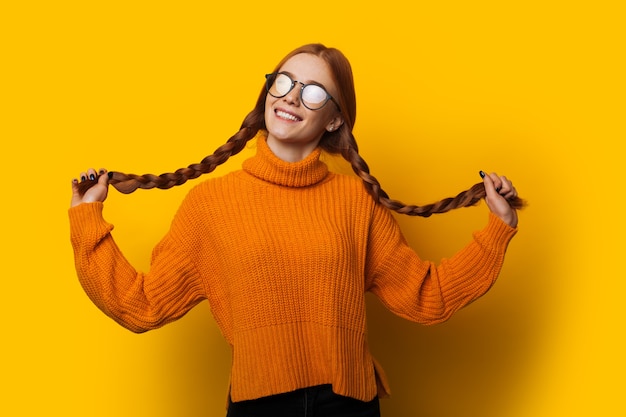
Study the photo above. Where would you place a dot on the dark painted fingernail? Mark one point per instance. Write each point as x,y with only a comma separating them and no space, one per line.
101,171
110,174
482,174
83,178
92,177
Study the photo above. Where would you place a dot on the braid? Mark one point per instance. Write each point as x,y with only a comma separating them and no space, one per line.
339,141
127,183
464,199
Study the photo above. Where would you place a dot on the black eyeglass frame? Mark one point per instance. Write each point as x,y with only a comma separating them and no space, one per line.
272,77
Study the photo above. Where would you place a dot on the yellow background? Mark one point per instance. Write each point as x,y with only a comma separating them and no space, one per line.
533,90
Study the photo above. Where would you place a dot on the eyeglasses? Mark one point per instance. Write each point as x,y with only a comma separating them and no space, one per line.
313,96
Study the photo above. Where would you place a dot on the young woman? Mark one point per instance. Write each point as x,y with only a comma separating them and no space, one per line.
284,250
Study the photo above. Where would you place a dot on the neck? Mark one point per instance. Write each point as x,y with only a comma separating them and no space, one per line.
290,151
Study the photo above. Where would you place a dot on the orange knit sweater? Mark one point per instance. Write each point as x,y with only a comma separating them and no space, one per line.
284,253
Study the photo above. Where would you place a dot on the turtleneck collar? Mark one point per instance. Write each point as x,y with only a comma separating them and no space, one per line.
268,167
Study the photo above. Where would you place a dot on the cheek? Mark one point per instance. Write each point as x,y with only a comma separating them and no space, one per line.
268,110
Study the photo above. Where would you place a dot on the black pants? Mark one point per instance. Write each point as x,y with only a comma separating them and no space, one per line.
319,401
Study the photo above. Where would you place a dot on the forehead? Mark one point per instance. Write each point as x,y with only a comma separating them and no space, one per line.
307,68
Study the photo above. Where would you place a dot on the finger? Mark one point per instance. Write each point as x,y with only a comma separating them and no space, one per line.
103,178
505,186
91,174
74,186
497,182
490,185
512,193
76,194
492,182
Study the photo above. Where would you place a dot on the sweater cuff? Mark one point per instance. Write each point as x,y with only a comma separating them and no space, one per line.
86,218
497,232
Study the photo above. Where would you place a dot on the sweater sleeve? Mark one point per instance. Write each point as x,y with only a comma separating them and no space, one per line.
422,291
138,301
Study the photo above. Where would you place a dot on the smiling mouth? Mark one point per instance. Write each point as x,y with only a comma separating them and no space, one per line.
287,116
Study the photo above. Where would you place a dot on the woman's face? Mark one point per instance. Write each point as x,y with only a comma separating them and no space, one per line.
294,131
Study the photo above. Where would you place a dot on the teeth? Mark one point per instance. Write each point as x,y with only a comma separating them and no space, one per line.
287,116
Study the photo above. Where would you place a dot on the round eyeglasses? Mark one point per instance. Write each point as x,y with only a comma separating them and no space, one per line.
312,96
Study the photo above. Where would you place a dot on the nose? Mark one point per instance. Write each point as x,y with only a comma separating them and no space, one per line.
293,96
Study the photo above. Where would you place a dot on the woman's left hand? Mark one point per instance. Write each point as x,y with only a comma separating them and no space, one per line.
499,189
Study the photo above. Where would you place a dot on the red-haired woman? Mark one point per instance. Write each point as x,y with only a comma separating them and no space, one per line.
284,250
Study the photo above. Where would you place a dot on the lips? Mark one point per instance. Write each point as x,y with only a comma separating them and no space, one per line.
282,114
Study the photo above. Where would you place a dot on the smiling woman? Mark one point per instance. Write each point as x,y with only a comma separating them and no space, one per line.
290,297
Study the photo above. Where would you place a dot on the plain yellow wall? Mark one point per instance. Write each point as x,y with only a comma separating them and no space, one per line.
532,90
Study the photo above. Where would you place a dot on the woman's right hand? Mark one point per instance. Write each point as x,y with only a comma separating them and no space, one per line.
96,193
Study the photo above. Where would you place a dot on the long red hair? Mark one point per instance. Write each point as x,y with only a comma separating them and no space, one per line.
340,141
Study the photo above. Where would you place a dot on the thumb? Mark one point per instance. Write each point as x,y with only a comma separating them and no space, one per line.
490,187
76,197
103,178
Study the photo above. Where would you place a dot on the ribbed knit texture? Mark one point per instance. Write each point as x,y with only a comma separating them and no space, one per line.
284,253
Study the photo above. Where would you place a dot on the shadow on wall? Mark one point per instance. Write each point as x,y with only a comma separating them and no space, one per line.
475,364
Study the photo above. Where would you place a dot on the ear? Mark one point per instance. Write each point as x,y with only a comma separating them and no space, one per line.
335,123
